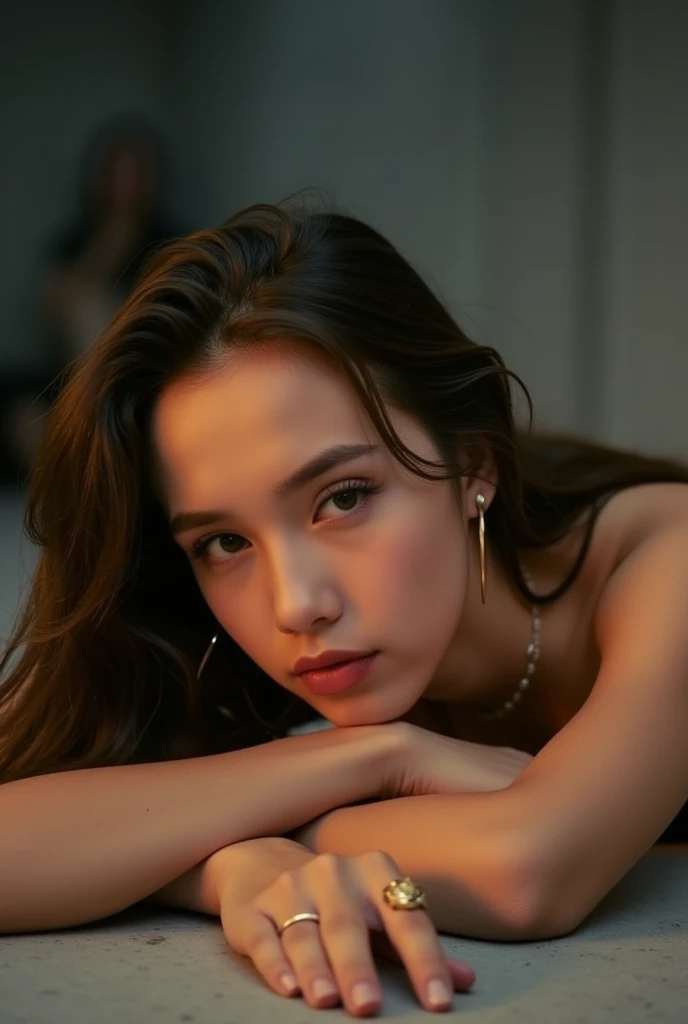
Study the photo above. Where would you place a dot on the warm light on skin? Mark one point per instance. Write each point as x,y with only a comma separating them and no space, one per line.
391,574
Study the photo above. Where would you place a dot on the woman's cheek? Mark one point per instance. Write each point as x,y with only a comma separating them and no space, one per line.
416,573
408,553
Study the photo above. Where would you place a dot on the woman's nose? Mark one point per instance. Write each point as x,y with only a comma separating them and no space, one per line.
304,591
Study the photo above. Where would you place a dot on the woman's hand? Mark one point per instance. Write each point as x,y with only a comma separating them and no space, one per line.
261,883
427,762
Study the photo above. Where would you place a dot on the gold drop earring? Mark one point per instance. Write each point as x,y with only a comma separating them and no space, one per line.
480,502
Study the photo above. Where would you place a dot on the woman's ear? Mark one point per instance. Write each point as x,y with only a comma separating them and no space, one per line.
480,479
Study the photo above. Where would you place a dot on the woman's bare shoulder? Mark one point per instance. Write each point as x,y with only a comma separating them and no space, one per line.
630,517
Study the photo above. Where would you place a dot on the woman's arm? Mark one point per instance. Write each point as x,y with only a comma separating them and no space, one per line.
591,802
77,846
427,764
470,852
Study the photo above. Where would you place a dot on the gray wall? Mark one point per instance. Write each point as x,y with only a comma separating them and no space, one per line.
645,293
529,157
453,126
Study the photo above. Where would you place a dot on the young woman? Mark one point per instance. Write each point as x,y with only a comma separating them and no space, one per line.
285,484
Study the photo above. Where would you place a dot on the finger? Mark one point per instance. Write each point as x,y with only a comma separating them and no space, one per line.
303,945
413,935
344,931
421,953
293,892
462,973
258,939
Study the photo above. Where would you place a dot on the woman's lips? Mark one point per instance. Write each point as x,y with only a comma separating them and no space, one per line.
336,678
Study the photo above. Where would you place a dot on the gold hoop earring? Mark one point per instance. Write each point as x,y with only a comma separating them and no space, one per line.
270,726
207,654
480,502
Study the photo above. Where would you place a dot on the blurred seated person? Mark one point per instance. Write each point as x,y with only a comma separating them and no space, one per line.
92,265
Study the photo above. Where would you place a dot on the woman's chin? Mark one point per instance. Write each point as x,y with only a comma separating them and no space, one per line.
367,711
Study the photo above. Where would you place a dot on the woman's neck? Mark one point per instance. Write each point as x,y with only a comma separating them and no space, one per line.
486,657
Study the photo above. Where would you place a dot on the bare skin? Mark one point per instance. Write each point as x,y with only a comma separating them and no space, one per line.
569,659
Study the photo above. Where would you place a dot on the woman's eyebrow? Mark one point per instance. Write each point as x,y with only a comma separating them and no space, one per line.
311,470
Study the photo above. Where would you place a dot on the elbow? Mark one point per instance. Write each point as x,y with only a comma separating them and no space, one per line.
504,900
533,921
537,909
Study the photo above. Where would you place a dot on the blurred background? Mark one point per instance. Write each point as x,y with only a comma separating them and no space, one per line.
530,157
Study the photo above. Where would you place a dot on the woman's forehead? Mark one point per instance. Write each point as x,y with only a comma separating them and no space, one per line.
253,421
253,398
258,414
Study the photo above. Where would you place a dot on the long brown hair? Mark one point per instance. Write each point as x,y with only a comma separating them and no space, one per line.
101,667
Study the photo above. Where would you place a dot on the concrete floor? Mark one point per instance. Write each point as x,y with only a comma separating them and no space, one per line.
628,963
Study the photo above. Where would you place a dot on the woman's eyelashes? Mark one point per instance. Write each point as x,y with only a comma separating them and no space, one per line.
343,492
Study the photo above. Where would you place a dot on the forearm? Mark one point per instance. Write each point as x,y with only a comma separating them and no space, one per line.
78,846
460,848
196,889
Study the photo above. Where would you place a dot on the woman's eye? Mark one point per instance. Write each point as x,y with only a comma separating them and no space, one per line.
229,544
224,547
345,500
350,497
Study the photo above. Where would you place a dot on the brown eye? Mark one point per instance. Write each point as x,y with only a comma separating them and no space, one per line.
351,496
227,543
346,500
227,540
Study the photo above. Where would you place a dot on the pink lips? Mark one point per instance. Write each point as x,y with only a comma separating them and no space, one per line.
339,677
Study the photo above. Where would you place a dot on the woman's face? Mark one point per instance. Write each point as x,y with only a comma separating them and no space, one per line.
363,557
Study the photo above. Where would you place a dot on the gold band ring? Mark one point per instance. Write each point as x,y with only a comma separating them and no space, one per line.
296,918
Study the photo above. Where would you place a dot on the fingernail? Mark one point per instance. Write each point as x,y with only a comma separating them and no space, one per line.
288,982
321,987
362,994
438,993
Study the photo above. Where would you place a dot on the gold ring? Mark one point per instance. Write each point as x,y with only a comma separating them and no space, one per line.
295,919
404,894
